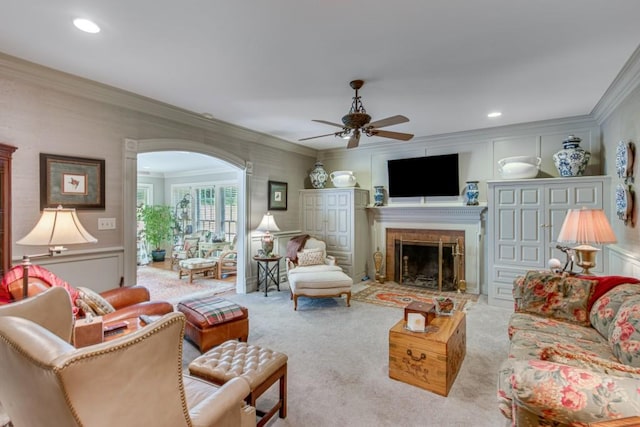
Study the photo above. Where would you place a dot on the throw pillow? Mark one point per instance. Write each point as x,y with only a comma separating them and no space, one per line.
92,300
310,258
624,335
557,295
604,310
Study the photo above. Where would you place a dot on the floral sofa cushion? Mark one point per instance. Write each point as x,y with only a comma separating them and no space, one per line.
557,295
605,309
530,344
549,325
593,363
624,333
570,395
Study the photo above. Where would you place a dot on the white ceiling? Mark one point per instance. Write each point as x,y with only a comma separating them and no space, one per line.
272,66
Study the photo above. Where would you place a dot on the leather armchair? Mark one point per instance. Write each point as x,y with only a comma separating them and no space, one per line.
128,301
133,380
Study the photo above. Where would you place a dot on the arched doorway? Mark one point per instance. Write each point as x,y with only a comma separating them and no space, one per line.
132,148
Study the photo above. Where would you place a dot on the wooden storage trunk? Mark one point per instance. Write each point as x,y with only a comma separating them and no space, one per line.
429,360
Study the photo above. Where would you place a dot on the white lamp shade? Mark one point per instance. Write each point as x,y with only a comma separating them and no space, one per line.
268,224
57,227
586,226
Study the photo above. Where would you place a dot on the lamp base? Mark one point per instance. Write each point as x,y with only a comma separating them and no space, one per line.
586,258
267,246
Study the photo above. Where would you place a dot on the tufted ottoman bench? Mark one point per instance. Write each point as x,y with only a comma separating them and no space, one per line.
261,368
191,266
212,320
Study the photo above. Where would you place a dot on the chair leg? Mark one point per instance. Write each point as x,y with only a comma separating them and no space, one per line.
295,302
348,299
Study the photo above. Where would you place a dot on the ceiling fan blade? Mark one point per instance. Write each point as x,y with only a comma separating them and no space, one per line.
320,136
393,120
354,140
393,135
328,123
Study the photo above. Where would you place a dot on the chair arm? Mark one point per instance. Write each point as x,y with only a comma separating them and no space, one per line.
330,260
150,308
567,394
224,405
125,296
289,264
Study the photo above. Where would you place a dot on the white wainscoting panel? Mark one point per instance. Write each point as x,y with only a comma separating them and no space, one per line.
623,262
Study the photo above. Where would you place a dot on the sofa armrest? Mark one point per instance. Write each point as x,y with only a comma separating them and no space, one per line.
566,394
330,260
150,308
125,296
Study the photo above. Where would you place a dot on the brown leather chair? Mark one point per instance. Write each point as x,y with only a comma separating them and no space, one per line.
128,301
134,380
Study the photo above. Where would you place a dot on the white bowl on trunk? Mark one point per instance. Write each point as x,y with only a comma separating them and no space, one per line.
519,167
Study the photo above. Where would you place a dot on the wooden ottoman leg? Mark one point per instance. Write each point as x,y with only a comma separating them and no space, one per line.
283,394
349,299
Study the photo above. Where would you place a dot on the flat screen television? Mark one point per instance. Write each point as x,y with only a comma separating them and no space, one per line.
429,176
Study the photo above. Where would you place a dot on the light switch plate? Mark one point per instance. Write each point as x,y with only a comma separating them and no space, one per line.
106,223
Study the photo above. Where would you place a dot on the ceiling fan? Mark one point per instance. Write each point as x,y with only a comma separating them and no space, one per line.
357,122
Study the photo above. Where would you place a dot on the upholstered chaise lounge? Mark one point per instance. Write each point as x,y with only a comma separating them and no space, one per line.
311,273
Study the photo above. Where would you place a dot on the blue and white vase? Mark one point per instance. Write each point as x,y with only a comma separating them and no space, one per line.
572,159
318,176
472,193
378,195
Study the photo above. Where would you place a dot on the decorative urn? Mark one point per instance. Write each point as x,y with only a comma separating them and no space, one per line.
472,193
572,160
318,176
378,195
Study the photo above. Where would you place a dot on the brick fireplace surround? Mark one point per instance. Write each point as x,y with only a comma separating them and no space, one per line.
432,222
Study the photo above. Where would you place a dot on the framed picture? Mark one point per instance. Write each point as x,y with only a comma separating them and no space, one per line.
277,196
73,182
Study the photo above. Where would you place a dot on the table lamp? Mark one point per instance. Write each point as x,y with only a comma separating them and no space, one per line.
267,225
56,227
585,227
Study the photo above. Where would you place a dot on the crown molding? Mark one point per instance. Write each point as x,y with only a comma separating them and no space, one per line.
50,78
625,82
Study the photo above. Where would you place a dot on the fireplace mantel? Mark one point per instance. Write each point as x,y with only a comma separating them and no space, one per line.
443,216
447,212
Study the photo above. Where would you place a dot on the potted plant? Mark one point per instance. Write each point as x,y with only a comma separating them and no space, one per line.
158,228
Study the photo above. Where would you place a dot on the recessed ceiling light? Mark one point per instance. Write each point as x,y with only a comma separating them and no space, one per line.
494,114
86,25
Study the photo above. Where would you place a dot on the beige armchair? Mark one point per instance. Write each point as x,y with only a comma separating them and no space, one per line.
135,380
187,249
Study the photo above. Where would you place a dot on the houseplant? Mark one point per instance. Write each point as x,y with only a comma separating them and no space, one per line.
158,228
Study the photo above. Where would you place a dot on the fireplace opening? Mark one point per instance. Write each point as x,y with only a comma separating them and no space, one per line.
426,264
432,259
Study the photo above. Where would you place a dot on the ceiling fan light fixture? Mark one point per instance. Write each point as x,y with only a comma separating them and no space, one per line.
494,114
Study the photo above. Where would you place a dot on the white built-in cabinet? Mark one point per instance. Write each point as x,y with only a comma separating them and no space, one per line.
525,217
338,217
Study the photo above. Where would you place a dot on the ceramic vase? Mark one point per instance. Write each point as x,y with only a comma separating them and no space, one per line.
472,193
572,160
318,176
378,195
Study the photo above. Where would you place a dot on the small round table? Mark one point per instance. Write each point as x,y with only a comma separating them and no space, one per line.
268,274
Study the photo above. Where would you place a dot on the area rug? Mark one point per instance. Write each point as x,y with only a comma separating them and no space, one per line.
164,285
391,294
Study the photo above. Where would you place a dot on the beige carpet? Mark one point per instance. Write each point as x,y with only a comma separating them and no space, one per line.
391,294
164,285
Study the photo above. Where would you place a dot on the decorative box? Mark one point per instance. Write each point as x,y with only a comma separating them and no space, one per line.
88,332
424,308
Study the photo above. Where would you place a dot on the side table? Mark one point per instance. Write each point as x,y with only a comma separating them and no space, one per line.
266,274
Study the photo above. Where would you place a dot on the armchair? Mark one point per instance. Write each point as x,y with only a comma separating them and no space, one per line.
187,249
314,274
227,259
120,303
133,380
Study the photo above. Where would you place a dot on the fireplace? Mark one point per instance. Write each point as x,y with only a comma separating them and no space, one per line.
432,259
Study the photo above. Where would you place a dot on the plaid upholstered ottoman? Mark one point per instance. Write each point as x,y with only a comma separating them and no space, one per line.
212,320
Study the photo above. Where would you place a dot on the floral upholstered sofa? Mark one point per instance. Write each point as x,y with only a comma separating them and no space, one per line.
574,355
